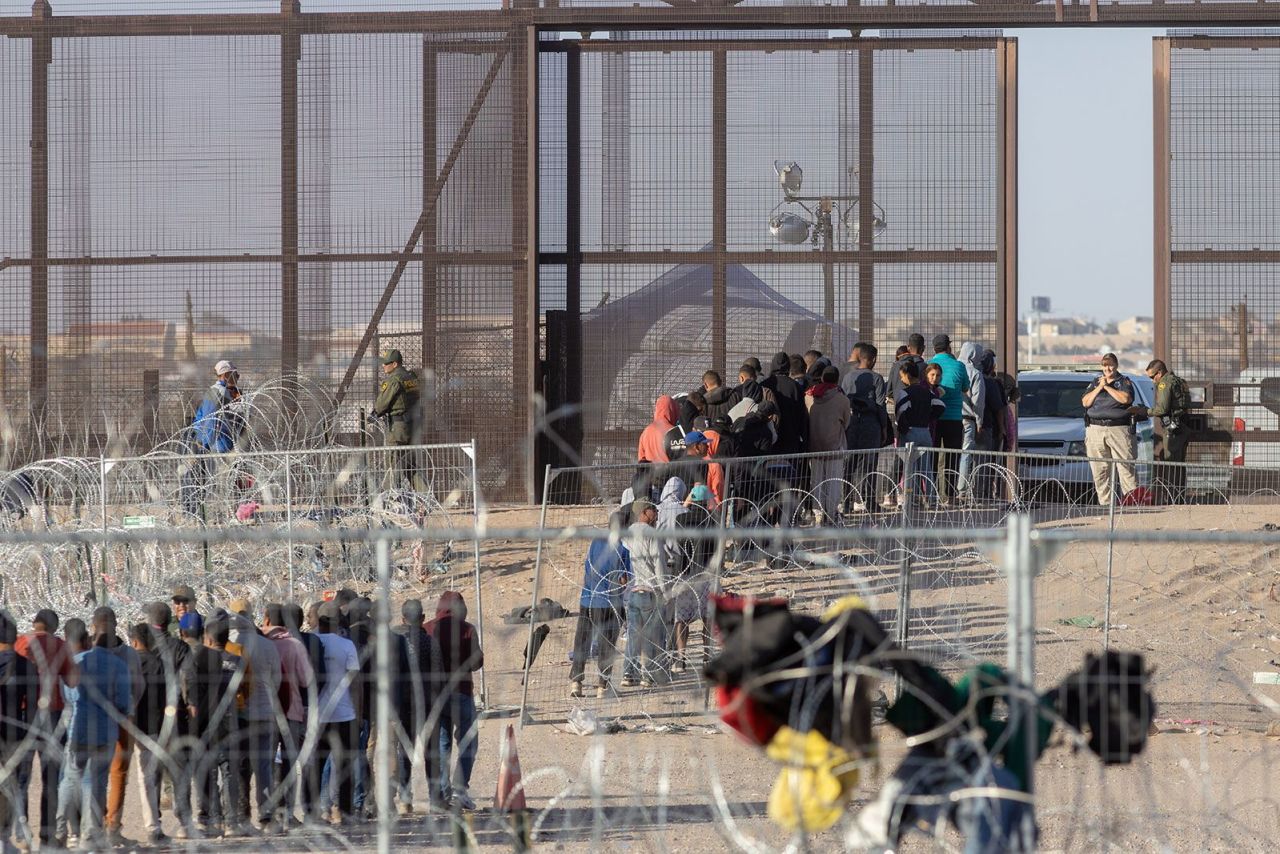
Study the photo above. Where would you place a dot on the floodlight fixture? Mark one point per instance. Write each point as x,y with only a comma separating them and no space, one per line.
790,176
790,228
853,222
817,226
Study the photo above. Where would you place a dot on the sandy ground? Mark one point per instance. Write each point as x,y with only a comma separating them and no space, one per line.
672,780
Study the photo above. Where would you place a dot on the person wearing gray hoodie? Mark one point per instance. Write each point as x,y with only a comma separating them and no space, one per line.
670,509
975,404
645,655
258,719
829,414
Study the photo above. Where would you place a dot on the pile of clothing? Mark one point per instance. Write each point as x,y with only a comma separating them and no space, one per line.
801,687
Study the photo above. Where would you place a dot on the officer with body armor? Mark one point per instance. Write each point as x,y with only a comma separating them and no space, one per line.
1173,399
398,403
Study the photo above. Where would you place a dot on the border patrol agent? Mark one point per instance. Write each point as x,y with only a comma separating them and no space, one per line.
397,401
1173,399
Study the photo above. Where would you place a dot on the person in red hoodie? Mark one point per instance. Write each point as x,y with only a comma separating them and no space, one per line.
461,655
660,442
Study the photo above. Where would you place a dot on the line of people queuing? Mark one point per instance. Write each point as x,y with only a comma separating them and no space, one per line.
243,721
806,404
655,590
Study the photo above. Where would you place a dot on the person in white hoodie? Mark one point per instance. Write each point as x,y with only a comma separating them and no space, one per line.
646,597
975,403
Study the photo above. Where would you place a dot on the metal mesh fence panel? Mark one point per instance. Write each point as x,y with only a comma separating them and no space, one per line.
677,264
1186,585
15,239
1216,231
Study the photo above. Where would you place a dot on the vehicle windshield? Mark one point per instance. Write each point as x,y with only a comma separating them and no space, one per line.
1052,398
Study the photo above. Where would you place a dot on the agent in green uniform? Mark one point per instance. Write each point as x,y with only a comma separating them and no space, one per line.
1173,399
398,403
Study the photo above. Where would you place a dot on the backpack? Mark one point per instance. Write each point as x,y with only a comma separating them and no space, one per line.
863,397
412,390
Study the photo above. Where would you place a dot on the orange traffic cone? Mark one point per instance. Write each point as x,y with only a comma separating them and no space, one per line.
510,794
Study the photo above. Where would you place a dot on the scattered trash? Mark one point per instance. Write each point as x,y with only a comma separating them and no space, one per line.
583,721
1266,678
546,609
1084,621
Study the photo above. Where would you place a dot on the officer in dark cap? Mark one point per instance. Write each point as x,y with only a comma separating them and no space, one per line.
398,403
397,399
1173,399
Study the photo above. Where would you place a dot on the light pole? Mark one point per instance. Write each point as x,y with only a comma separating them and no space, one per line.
817,224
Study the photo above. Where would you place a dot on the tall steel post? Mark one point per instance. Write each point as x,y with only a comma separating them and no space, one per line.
41,58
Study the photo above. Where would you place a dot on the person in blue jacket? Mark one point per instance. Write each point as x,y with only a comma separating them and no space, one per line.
215,429
604,580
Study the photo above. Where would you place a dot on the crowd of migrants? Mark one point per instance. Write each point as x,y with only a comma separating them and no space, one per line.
243,722
805,404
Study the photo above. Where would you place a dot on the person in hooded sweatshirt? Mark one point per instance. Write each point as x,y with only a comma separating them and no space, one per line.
686,583
868,422
660,442
750,392
258,730
974,407
829,414
103,625
788,396
992,437
645,658
914,355
461,654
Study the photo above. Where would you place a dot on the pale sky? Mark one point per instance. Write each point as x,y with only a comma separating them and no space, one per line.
1084,170
1085,149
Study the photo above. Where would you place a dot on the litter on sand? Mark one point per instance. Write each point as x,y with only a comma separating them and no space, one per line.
1084,621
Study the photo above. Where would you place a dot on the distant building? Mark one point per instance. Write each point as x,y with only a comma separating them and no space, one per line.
1133,326
1052,327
